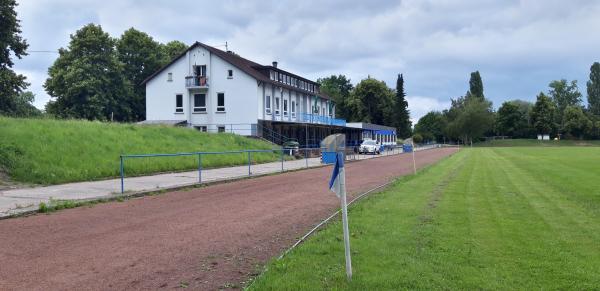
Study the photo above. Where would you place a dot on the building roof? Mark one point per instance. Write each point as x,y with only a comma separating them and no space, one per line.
369,126
256,70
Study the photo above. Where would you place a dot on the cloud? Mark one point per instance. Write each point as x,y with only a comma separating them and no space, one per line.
419,106
518,46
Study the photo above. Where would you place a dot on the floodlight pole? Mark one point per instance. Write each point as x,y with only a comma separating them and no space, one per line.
345,223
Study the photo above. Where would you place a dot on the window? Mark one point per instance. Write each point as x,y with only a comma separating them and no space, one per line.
277,105
293,108
200,70
220,128
199,103
280,76
220,102
268,104
229,74
201,128
179,103
170,77
285,107
273,75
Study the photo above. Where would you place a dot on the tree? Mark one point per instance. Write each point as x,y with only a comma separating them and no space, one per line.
576,123
593,89
401,113
371,101
11,44
24,105
171,50
475,86
474,119
338,88
87,79
564,94
543,115
512,119
431,126
141,56
417,138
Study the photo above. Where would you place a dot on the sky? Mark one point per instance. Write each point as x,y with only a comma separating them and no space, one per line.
519,47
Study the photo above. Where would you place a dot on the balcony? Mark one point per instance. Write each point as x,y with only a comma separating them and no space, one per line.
196,82
320,119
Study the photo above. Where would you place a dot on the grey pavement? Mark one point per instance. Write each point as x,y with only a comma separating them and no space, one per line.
17,201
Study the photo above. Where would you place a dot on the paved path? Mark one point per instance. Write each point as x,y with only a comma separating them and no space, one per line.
28,199
204,238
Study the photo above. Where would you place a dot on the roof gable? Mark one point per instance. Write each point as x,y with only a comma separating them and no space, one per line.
251,68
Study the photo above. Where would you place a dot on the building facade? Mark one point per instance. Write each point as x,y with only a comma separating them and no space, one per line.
219,91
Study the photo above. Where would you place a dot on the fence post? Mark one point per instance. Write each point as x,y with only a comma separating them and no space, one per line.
306,157
199,168
282,159
249,163
122,176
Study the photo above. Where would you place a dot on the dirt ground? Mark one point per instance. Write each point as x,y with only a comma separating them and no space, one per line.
215,237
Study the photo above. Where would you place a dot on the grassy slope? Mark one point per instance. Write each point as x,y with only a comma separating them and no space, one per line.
536,143
54,151
506,218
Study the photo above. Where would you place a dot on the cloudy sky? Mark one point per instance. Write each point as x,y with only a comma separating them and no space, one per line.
518,46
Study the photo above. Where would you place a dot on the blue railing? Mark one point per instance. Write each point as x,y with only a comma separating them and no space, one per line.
320,119
282,152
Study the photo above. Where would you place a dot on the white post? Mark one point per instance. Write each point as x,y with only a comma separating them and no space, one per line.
345,224
413,156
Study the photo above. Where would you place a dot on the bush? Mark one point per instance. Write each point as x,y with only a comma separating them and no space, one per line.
417,138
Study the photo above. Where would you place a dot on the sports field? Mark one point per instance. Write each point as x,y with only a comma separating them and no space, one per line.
486,218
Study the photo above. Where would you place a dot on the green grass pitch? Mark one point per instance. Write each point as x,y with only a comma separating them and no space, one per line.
518,218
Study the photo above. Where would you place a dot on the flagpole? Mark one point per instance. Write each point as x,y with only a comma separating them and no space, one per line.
345,221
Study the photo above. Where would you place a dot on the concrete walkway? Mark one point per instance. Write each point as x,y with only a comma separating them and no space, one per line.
28,199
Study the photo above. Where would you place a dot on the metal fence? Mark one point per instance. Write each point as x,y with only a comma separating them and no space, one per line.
351,153
304,153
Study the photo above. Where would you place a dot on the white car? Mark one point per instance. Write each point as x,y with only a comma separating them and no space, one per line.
369,147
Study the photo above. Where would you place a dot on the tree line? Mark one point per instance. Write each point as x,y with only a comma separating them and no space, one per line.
371,101
559,113
96,77
99,77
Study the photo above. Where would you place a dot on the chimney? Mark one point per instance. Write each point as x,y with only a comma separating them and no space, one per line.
274,64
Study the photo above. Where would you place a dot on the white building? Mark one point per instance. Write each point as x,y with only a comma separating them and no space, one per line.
218,91
385,135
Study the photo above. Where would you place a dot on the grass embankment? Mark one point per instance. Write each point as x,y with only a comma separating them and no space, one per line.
536,143
503,218
45,151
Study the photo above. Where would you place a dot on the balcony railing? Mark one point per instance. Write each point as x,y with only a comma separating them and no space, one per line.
196,82
320,119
